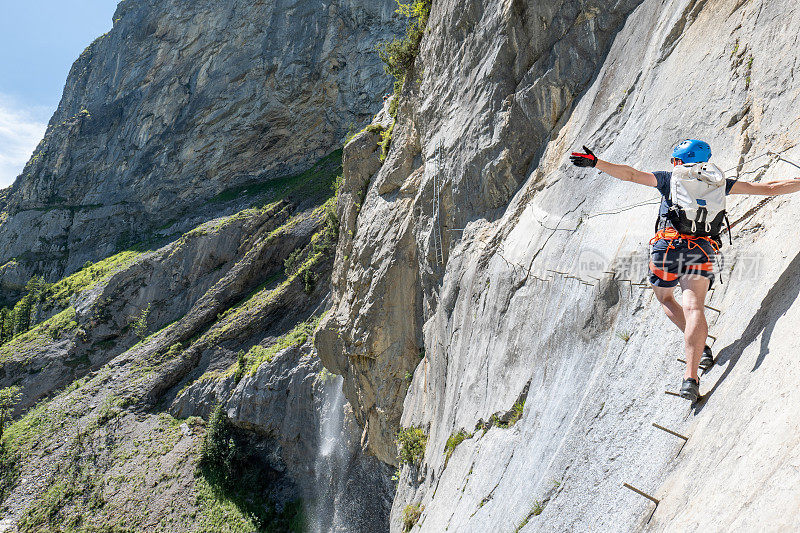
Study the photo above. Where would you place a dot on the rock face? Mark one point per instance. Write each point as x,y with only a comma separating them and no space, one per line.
316,437
193,159
484,291
230,309
519,296
525,65
179,102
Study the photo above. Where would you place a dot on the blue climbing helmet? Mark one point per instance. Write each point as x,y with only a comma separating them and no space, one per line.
692,151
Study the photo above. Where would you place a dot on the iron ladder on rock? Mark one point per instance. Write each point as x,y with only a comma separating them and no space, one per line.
438,246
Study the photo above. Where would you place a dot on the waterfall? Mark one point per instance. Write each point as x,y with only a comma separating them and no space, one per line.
352,491
331,464
332,416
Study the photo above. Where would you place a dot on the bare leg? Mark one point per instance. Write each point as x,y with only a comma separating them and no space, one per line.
696,328
674,311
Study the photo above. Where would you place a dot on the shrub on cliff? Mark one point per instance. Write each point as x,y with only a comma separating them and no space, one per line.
411,515
411,444
453,441
398,55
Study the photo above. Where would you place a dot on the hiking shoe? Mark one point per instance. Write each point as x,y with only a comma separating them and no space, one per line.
690,390
707,359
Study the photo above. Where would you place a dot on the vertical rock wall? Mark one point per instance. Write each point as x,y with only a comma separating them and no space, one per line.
525,304
495,81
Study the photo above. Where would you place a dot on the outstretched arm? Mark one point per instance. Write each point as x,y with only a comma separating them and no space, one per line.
621,172
768,188
626,173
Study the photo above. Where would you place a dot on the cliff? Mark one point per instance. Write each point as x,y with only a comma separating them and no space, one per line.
178,103
181,209
511,282
462,306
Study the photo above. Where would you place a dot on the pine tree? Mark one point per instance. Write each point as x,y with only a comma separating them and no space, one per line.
5,319
22,315
8,326
36,293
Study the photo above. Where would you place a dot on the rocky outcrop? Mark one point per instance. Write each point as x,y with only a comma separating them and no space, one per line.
530,288
158,286
294,401
221,315
178,103
457,156
374,347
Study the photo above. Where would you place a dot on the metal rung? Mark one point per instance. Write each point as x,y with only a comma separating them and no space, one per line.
681,360
713,309
662,428
672,393
641,493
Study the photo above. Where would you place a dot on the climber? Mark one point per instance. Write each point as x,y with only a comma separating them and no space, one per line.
687,239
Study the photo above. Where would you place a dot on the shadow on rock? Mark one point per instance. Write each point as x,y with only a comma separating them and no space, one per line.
774,305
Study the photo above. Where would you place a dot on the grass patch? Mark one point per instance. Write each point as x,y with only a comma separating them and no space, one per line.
536,510
258,355
73,497
372,128
624,335
453,441
23,435
264,289
21,439
516,412
25,314
46,332
90,275
386,141
411,515
505,420
315,182
139,325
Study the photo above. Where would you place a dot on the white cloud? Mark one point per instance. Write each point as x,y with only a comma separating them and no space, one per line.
21,129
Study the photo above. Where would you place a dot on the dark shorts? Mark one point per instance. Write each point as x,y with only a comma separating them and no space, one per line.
669,260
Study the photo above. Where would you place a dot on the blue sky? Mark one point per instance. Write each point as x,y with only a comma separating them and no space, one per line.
39,40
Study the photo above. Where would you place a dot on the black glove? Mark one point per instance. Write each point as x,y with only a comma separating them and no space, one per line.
583,160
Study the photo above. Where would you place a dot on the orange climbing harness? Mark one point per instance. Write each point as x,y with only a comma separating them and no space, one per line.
670,235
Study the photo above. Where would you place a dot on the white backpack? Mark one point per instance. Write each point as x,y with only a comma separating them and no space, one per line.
697,193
